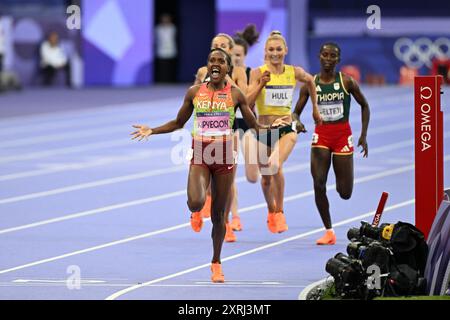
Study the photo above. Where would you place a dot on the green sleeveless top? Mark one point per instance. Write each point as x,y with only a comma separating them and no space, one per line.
333,99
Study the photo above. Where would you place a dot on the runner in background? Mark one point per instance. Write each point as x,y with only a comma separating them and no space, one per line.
271,88
333,140
243,137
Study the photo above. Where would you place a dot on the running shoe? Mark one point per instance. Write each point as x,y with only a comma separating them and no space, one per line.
236,224
280,221
328,239
217,275
271,222
229,235
206,210
196,221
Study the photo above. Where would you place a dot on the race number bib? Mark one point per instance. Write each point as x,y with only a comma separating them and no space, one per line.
279,96
332,112
213,123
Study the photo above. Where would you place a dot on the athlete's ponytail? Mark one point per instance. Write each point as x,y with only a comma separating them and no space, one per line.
247,38
276,35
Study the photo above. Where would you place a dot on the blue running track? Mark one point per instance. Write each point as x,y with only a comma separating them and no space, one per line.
76,194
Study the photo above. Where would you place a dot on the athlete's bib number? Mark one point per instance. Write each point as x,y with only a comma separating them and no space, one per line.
213,123
332,112
279,96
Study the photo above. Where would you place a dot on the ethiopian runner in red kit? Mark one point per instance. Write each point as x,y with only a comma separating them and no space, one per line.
212,157
333,140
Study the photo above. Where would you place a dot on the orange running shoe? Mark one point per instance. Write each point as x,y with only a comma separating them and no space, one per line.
229,235
271,222
217,275
328,239
236,224
196,221
280,221
206,210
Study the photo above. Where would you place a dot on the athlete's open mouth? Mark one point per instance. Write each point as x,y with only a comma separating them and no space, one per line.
215,72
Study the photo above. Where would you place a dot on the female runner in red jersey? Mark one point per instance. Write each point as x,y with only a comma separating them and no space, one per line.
333,140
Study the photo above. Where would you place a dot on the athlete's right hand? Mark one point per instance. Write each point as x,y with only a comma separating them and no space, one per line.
300,127
143,132
265,77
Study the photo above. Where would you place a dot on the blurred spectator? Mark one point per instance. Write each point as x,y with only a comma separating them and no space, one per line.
53,59
352,71
407,75
166,50
441,66
8,79
2,46
375,79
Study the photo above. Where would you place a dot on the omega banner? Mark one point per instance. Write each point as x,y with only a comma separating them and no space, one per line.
429,150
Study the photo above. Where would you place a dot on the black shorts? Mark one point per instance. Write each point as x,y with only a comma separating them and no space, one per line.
240,124
270,137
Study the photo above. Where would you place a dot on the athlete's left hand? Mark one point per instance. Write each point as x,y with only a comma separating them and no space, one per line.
143,133
281,122
362,142
317,117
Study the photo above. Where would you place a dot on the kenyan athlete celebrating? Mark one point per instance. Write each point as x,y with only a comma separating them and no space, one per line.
213,104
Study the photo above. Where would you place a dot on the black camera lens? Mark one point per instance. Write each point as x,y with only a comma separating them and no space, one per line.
370,232
342,257
356,250
353,234
335,267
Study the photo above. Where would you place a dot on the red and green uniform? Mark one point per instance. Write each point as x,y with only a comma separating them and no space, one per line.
333,101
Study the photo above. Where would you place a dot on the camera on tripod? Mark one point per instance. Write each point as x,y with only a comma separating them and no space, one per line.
348,275
368,247
380,261
381,233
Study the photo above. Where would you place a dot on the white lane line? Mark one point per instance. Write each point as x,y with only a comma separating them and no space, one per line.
147,108
121,179
104,130
125,178
75,149
121,142
63,136
251,282
57,168
106,245
182,192
258,249
180,226
88,164
82,281
126,285
94,115
164,196
96,211
79,166
94,184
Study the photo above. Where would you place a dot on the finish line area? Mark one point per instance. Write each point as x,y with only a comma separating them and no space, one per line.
78,197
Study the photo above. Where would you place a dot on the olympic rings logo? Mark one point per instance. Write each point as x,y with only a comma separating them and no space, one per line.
416,54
